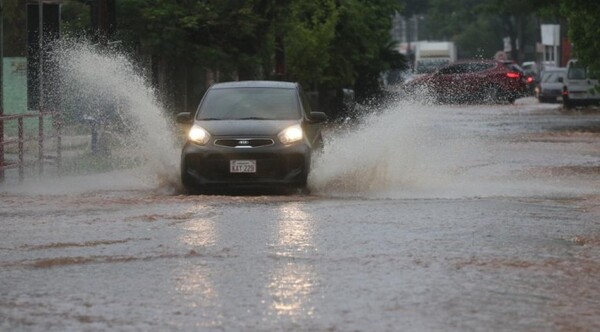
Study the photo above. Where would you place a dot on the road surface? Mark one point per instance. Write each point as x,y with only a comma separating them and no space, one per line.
421,218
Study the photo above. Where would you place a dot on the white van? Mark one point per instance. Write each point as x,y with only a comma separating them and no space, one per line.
579,89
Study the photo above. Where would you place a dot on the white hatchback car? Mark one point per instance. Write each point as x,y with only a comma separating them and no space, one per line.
579,87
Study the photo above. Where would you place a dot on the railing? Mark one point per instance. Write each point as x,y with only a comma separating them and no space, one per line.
20,141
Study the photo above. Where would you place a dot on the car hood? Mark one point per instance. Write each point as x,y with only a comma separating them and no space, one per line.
245,127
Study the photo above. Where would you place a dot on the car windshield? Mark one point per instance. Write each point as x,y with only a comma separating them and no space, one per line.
551,76
576,72
430,66
250,103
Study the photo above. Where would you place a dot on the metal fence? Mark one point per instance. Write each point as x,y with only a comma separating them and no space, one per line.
17,159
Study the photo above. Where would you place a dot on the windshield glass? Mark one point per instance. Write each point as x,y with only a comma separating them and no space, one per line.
576,72
429,66
250,103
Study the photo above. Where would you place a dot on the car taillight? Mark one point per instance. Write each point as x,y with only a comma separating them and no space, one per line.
512,74
529,79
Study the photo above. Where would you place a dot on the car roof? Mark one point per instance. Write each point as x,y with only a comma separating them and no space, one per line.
476,61
559,69
255,84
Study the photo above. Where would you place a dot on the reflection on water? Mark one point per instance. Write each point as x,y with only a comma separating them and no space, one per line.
294,233
199,233
290,288
292,282
194,280
196,291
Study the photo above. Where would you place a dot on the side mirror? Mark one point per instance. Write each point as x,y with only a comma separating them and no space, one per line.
318,117
560,80
185,117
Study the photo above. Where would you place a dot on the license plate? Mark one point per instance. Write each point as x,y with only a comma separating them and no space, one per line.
242,166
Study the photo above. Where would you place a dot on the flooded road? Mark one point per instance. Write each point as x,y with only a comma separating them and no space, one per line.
421,218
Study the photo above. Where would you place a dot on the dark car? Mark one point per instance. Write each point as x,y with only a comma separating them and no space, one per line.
550,87
250,134
474,81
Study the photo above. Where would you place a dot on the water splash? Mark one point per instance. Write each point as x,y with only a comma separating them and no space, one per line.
413,149
388,153
105,89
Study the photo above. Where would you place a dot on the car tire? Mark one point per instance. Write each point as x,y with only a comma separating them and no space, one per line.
189,185
490,94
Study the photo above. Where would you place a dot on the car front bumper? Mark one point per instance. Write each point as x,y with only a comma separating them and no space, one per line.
276,165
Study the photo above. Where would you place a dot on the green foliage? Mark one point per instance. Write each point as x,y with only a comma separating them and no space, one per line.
75,18
15,35
311,29
584,30
479,26
361,49
329,44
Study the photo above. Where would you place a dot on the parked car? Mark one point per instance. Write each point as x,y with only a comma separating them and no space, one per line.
474,81
549,89
580,87
250,133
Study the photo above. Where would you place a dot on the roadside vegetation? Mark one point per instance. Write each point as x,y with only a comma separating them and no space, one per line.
330,46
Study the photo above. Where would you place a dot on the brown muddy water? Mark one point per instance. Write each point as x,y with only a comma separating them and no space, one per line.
467,218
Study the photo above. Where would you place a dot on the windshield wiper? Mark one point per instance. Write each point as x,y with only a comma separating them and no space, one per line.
252,118
209,119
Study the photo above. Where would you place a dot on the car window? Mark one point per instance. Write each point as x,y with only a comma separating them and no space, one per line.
305,102
550,77
576,71
515,67
427,67
250,103
454,69
477,67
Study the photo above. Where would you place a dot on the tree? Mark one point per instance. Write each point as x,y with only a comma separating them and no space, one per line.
584,28
325,44
362,46
311,29
474,31
15,32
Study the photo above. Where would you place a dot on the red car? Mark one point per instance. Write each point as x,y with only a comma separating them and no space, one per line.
473,81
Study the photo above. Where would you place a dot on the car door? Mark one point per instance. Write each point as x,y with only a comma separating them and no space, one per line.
444,82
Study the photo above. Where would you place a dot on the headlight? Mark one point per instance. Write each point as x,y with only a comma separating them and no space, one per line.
198,135
291,134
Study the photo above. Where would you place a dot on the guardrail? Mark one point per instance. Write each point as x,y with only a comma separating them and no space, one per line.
20,141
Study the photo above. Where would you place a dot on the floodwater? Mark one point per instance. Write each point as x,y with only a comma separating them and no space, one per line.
421,218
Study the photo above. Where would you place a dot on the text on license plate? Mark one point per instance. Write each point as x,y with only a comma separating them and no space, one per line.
242,166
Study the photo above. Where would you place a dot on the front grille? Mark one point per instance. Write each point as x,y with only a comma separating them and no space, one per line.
268,166
244,143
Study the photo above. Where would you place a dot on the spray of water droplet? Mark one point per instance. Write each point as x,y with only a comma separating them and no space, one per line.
395,152
104,88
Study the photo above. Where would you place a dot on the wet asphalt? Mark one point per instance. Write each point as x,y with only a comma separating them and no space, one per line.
504,236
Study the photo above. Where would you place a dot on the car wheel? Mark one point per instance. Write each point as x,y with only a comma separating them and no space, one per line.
302,190
490,94
189,185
